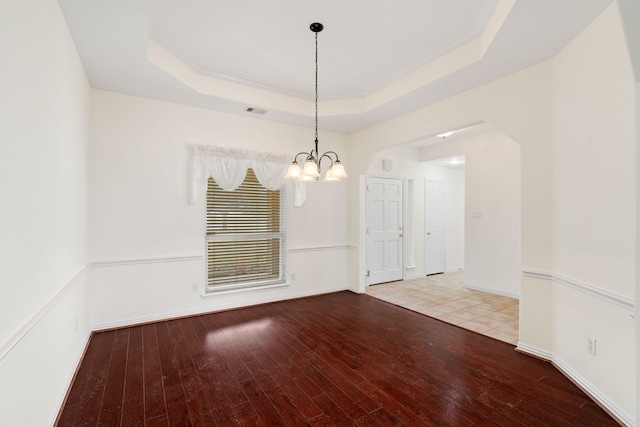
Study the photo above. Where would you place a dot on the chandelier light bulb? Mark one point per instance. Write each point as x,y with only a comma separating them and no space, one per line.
329,176
311,169
294,171
338,170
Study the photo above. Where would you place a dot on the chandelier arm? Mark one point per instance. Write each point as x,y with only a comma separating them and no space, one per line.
295,158
332,152
328,157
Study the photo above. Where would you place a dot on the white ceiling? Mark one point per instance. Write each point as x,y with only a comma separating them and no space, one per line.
455,162
270,45
377,59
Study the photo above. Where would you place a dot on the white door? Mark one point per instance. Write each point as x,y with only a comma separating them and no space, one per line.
384,230
434,227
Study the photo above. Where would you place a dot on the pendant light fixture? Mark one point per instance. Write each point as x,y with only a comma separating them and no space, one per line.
312,169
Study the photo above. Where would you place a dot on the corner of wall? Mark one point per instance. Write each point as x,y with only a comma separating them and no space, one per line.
49,348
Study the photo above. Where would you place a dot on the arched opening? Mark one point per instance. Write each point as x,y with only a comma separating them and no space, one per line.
479,173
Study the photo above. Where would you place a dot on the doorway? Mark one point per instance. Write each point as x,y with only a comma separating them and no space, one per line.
434,218
481,203
384,233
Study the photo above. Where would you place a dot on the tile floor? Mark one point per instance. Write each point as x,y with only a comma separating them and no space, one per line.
444,297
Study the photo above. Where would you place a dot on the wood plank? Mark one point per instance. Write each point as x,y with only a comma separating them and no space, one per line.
280,400
160,421
345,402
111,407
133,400
177,408
334,414
154,401
400,412
93,391
344,383
245,415
220,385
168,364
261,403
76,394
336,359
298,397
199,408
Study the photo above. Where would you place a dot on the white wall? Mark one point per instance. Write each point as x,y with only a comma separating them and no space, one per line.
455,222
454,180
576,104
43,219
493,214
578,96
492,192
148,244
406,164
594,216
630,13
637,260
508,104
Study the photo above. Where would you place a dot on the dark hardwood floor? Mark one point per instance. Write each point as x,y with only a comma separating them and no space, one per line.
334,360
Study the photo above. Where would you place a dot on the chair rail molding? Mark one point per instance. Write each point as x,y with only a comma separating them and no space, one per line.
149,260
601,294
12,342
322,248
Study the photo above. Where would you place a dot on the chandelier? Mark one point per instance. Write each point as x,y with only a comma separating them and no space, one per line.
313,160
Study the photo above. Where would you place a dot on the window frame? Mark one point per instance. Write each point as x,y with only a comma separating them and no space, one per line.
281,236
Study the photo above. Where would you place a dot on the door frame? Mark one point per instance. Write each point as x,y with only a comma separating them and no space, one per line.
444,225
365,181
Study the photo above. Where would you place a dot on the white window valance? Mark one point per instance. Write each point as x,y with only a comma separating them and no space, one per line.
228,167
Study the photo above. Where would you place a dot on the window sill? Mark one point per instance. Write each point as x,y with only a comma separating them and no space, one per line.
212,293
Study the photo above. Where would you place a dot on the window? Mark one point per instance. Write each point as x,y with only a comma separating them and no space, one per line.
245,235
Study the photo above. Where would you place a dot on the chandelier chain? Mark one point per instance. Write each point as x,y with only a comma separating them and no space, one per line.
316,87
313,158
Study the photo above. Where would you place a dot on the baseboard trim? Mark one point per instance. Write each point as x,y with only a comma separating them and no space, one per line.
601,400
8,346
601,294
211,309
534,351
492,291
62,400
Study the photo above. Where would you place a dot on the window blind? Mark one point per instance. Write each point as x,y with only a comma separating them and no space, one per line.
244,234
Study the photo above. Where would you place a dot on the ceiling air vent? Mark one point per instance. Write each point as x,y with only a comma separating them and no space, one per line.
256,110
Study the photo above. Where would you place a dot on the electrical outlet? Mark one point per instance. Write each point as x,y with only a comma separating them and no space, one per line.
591,346
194,288
292,277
